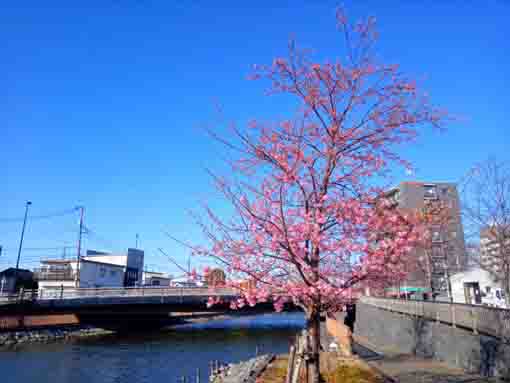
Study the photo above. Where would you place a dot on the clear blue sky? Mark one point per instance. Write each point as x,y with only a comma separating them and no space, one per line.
103,105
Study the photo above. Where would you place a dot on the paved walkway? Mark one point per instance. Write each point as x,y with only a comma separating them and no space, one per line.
408,368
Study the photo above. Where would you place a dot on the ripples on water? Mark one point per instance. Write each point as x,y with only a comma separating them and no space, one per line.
162,356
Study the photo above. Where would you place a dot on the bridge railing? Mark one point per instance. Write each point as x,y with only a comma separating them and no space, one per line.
483,319
72,293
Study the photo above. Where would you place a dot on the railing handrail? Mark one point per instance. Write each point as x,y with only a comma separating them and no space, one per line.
60,292
438,302
489,320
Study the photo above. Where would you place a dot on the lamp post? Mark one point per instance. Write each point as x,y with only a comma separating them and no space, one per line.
28,203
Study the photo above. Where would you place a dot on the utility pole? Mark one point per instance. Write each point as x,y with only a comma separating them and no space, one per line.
28,203
136,245
189,268
78,255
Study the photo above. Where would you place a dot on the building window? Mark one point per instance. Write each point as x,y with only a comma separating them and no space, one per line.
487,289
102,272
430,191
113,273
155,283
435,235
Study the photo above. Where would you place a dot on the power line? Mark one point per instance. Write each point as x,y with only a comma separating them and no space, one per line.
37,217
98,238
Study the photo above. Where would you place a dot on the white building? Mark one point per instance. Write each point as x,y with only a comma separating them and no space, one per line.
477,287
57,274
132,262
153,278
94,270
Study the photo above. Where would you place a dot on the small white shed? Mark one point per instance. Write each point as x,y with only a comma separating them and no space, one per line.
477,287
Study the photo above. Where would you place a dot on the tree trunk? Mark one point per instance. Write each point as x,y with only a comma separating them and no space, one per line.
506,288
313,331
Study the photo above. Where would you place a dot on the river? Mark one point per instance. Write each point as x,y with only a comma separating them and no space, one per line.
160,356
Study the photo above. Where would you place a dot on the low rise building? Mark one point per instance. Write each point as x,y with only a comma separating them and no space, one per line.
11,280
132,261
215,277
64,274
477,287
153,278
94,270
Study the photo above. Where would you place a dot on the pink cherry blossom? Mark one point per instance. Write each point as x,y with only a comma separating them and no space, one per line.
309,223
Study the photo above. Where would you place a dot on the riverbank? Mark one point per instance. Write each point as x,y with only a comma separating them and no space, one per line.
13,338
247,371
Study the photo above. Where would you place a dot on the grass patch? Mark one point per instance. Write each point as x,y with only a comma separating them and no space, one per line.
351,373
276,371
333,370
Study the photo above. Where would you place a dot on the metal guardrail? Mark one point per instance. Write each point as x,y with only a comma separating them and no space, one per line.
75,293
480,319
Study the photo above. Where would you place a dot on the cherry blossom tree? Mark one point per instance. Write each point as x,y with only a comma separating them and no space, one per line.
309,219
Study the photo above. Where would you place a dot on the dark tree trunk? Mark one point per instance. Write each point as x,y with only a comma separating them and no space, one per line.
313,331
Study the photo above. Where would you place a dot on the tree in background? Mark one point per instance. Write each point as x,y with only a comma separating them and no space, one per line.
486,210
309,222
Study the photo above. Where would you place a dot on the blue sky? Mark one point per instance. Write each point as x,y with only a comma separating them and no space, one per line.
103,105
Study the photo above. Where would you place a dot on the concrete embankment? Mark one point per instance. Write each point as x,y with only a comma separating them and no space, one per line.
12,338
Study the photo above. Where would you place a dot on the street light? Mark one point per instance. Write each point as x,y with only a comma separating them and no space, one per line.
22,235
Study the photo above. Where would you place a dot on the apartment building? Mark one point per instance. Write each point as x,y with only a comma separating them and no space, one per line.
495,250
428,267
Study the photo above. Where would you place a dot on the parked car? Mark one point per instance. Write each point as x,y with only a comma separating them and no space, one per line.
494,298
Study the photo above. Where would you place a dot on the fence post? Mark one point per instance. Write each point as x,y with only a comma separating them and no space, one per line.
437,315
61,291
474,315
290,365
198,375
21,293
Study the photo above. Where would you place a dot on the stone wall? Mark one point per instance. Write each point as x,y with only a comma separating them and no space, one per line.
392,332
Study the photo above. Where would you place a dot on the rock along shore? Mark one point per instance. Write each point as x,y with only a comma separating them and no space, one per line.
13,338
242,372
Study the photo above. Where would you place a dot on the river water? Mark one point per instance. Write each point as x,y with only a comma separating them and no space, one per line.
163,356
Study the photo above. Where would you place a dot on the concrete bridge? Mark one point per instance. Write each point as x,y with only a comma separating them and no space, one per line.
125,307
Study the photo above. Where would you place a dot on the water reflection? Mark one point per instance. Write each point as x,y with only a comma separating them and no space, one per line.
151,357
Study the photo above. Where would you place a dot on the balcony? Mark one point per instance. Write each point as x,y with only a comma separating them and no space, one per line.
54,275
